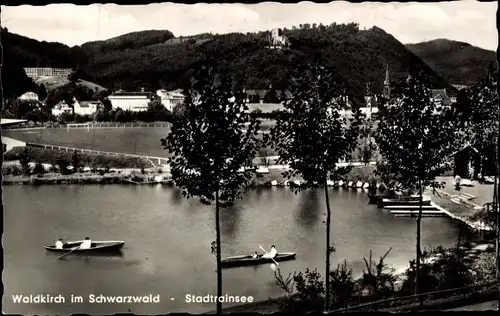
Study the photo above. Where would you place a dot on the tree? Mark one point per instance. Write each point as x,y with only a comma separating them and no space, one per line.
107,104
77,75
481,121
24,160
179,111
119,116
22,107
157,109
366,151
209,146
100,115
415,137
42,92
312,136
76,163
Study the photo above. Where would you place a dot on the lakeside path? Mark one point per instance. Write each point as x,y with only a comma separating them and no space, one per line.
458,206
485,306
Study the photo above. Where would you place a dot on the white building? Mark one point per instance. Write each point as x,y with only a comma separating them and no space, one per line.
86,107
35,72
29,96
131,101
79,107
170,99
60,108
277,40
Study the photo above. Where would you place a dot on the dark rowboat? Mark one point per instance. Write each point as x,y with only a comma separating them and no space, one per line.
247,260
97,246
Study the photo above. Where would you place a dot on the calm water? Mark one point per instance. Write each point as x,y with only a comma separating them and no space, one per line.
168,239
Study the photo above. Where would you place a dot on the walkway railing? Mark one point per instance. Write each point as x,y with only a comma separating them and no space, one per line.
127,125
91,125
154,160
406,301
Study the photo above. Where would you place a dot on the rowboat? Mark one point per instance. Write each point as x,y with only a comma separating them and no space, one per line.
248,260
97,246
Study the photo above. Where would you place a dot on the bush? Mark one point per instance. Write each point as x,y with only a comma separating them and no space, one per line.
484,268
305,291
447,271
378,281
6,170
39,169
343,286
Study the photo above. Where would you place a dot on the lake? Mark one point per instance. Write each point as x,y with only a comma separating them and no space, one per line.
168,238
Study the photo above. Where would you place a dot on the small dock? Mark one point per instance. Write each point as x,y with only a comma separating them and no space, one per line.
415,208
430,210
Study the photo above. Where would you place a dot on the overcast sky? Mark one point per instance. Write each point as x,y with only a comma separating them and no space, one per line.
468,21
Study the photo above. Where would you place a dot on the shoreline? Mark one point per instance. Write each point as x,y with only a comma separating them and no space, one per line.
139,179
153,176
271,305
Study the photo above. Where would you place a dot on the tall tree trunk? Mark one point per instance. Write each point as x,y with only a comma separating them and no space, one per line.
217,241
497,231
419,221
327,266
497,200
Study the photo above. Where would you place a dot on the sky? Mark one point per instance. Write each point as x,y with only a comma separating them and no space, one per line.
467,20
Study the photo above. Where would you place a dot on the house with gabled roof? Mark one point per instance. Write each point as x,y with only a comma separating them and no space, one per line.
87,107
440,97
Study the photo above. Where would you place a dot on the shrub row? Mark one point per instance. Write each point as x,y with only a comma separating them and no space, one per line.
304,291
57,157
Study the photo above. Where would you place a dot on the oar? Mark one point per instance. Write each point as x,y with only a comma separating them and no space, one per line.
268,253
68,252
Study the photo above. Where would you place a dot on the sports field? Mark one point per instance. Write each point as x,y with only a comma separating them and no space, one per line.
137,140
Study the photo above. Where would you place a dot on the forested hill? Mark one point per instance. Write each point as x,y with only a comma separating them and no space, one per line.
154,59
14,80
458,62
135,40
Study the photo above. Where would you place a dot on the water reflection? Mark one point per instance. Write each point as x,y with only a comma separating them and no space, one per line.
230,220
114,254
259,191
309,209
176,196
168,242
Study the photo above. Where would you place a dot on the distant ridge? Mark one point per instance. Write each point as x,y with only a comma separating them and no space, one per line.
156,59
458,62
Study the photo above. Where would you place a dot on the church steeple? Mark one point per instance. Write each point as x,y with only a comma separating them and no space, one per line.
387,83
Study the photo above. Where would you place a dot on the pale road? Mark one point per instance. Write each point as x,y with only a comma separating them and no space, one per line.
485,306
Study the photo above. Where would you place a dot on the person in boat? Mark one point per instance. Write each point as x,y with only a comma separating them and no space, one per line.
59,244
271,253
86,244
255,255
